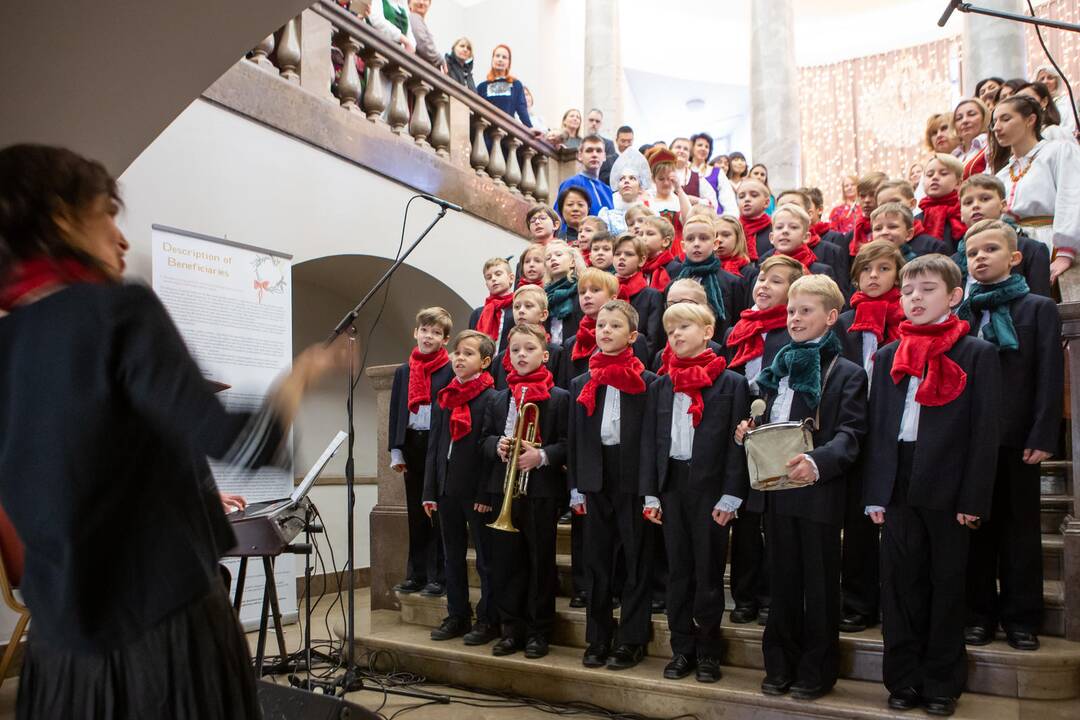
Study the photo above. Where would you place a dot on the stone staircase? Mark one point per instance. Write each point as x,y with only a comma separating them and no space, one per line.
1002,682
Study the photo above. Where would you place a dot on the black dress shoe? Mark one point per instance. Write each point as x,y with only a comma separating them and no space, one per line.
679,667
856,622
978,635
433,590
625,656
659,607
809,691
708,669
595,655
940,706
564,519
743,614
505,646
905,699
1020,640
451,628
776,685
409,586
616,602
579,600
763,617
537,647
481,634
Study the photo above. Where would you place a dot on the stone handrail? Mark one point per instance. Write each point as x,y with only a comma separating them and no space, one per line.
1069,285
410,98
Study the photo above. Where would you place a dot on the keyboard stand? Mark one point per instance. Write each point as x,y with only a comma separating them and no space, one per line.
270,608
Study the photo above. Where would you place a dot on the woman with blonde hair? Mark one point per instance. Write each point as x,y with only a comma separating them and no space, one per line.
459,63
844,216
970,122
569,133
939,136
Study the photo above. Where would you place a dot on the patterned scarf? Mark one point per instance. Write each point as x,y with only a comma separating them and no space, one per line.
800,362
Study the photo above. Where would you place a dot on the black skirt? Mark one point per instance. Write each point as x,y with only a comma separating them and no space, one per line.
193,664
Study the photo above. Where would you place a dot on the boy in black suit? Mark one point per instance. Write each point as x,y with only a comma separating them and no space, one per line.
901,191
894,222
693,477
661,266
633,288
530,307
750,346
1027,332
496,316
828,254
416,384
935,403
982,197
603,469
524,561
809,378
455,486
861,234
725,290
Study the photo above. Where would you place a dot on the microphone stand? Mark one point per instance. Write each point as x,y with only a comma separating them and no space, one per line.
350,680
965,7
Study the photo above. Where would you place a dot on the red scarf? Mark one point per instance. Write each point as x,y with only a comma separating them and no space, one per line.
820,229
585,256
585,340
40,273
862,234
734,264
942,211
536,386
488,322
881,315
622,372
690,375
813,241
656,269
421,367
521,282
746,335
804,255
631,286
456,397
918,228
752,227
922,354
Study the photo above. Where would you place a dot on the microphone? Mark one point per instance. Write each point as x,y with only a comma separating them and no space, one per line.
757,410
948,12
445,204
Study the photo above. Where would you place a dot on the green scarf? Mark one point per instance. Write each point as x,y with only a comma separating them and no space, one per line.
560,295
907,252
800,362
707,273
996,298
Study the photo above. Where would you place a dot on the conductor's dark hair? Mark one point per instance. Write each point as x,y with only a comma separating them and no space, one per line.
36,183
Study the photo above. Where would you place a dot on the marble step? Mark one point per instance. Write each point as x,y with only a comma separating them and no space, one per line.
1051,673
560,678
1053,589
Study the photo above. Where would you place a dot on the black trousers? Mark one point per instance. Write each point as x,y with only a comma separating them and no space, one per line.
1007,549
425,560
459,521
923,568
860,566
523,568
578,577
660,572
612,514
749,560
802,636
696,553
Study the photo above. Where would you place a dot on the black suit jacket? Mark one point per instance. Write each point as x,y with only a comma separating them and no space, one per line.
649,304
585,468
956,451
833,256
717,464
570,322
733,292
399,400
926,244
657,359
774,340
548,481
1034,265
842,425
1033,374
462,474
842,240
554,365
763,241
571,368
949,241
508,322
851,342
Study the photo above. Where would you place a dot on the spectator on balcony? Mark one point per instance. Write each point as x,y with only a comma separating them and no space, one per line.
425,43
391,18
593,121
502,89
569,133
538,125
459,62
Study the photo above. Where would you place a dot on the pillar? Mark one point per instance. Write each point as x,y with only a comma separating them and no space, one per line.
774,91
603,68
389,519
994,47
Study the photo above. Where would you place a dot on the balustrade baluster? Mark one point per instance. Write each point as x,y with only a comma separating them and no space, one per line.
528,177
440,130
288,50
542,179
348,84
260,55
399,100
479,157
497,162
374,92
513,168
420,125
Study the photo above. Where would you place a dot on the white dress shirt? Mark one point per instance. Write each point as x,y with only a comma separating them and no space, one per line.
682,428
556,331
610,420
419,420
1049,187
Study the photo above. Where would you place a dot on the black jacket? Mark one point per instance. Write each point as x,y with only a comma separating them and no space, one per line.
585,466
926,244
717,464
399,400
460,72
570,322
774,340
956,451
1033,374
548,481
649,304
1034,265
462,474
507,324
827,254
733,292
841,427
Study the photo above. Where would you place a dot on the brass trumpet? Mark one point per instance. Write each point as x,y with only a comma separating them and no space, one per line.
525,428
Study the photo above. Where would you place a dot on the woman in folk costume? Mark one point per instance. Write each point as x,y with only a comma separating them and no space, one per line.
631,179
970,121
667,197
